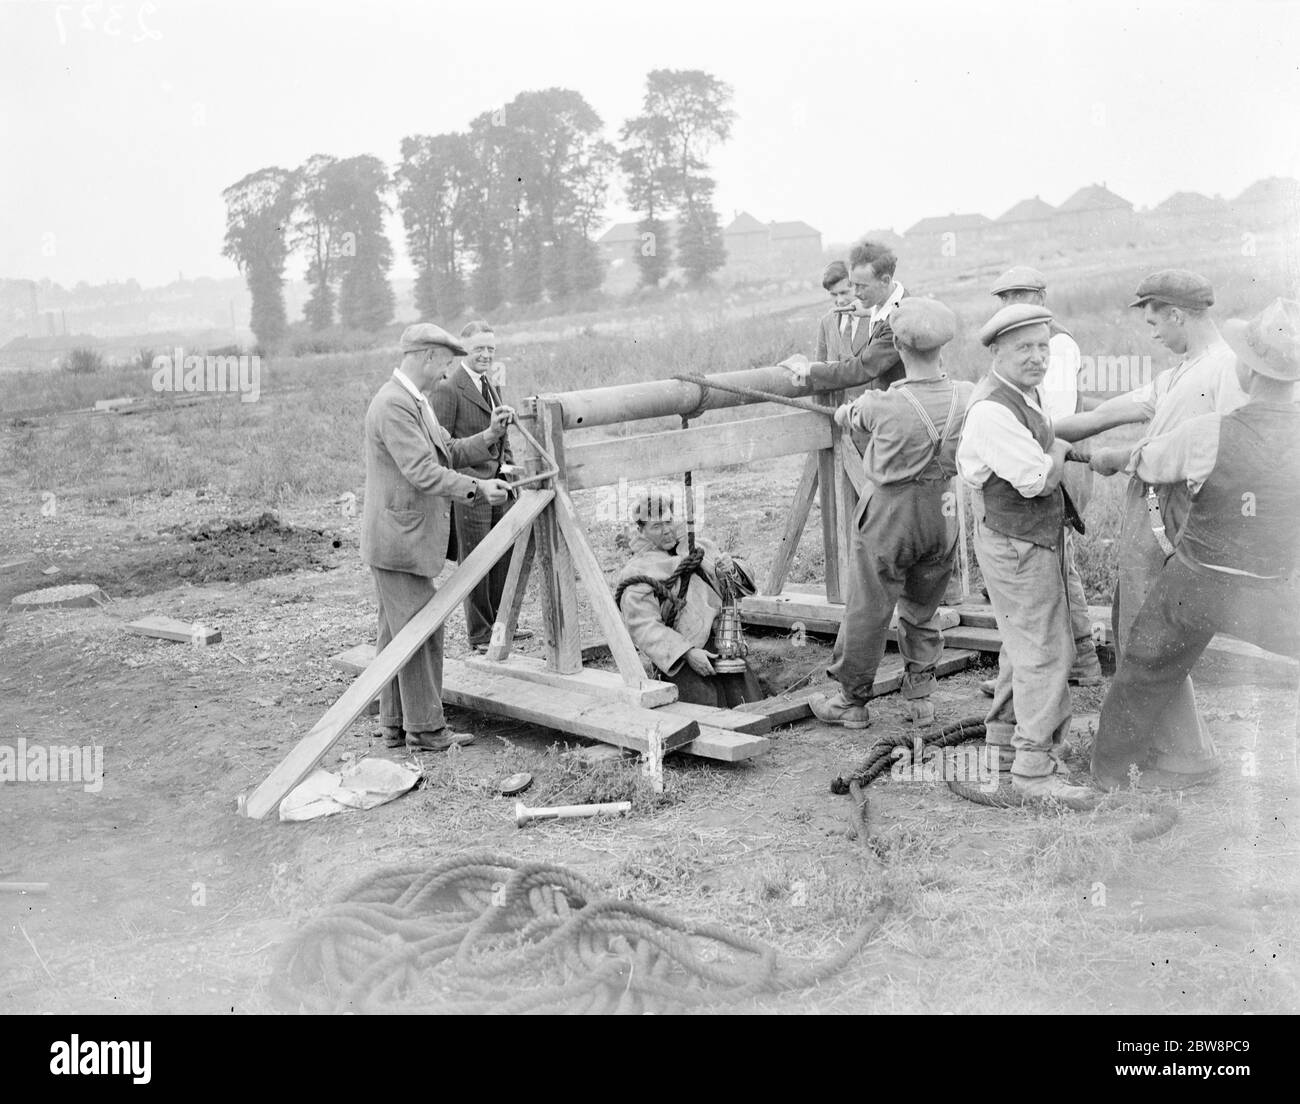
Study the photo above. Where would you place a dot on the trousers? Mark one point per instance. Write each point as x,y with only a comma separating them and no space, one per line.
472,523
413,700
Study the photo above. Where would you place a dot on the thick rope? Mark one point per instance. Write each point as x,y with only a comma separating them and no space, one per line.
670,604
750,393
481,933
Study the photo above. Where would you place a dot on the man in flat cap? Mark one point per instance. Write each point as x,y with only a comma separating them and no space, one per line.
1061,397
1175,305
1010,455
671,598
872,357
463,401
411,482
1236,566
905,543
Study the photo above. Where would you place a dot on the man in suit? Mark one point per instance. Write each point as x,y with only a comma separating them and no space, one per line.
410,482
464,400
876,294
835,327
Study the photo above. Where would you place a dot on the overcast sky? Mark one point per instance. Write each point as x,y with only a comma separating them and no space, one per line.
121,124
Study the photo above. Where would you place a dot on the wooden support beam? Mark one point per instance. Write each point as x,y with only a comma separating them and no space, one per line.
794,523
734,720
512,597
608,685
828,483
725,745
555,569
626,657
814,612
700,448
572,711
795,707
309,751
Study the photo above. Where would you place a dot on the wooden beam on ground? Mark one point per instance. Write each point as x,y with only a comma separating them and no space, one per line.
700,448
512,597
607,685
626,657
733,720
816,613
794,523
725,745
309,751
785,709
576,712
168,628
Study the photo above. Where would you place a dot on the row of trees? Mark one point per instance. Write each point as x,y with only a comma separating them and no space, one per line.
507,210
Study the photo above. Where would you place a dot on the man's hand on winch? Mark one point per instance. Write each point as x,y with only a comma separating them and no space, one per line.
700,661
843,415
502,416
1109,461
797,367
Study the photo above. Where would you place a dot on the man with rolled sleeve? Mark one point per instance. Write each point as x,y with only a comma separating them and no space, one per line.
905,540
411,482
1236,565
1010,455
1175,305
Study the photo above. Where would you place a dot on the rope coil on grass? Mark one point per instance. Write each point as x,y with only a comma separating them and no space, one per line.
482,933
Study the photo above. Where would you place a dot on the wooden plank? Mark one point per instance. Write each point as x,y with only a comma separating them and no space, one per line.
835,568
824,626
795,707
572,711
794,524
169,628
725,745
700,448
815,612
626,657
733,720
355,659
512,597
309,751
603,684
555,571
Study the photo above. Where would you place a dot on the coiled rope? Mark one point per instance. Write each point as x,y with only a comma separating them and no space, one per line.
482,933
670,604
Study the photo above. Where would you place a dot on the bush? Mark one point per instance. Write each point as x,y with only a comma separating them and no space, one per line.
83,361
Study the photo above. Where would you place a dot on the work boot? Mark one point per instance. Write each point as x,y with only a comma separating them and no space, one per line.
920,711
837,709
440,740
1054,787
393,737
1087,667
988,687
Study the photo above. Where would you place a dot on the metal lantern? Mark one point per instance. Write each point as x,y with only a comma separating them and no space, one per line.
732,648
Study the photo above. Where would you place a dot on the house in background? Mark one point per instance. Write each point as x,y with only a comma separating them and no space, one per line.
944,238
1095,215
1268,203
1030,219
1187,215
779,250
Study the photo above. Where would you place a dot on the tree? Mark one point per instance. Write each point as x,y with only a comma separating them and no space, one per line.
684,114
317,231
258,209
365,255
647,167
434,183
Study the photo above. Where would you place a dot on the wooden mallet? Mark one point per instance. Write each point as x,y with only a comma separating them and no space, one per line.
525,815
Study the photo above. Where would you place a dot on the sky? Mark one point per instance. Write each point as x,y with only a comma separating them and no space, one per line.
120,124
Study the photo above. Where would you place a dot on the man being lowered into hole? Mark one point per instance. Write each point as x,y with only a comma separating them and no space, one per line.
672,603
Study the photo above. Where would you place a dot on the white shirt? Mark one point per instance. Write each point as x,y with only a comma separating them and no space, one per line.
878,314
1061,383
995,442
419,395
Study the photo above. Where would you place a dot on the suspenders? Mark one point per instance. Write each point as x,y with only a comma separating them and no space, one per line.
936,435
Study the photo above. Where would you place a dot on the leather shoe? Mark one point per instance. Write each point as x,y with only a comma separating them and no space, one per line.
393,737
837,709
440,740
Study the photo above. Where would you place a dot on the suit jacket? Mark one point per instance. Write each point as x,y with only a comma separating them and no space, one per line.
833,344
410,483
462,412
874,355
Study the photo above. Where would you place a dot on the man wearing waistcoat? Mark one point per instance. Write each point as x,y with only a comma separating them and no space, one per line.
905,540
1010,455
1235,565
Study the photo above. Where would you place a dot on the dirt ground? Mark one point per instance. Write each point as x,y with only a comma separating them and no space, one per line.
162,899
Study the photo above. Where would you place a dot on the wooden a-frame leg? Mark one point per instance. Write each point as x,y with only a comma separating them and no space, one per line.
512,598
794,524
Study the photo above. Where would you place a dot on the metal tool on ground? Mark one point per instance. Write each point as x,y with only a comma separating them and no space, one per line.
481,933
761,396
525,815
515,784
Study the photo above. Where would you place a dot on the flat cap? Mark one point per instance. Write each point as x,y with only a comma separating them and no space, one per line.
1013,318
922,324
1020,278
425,335
1177,287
